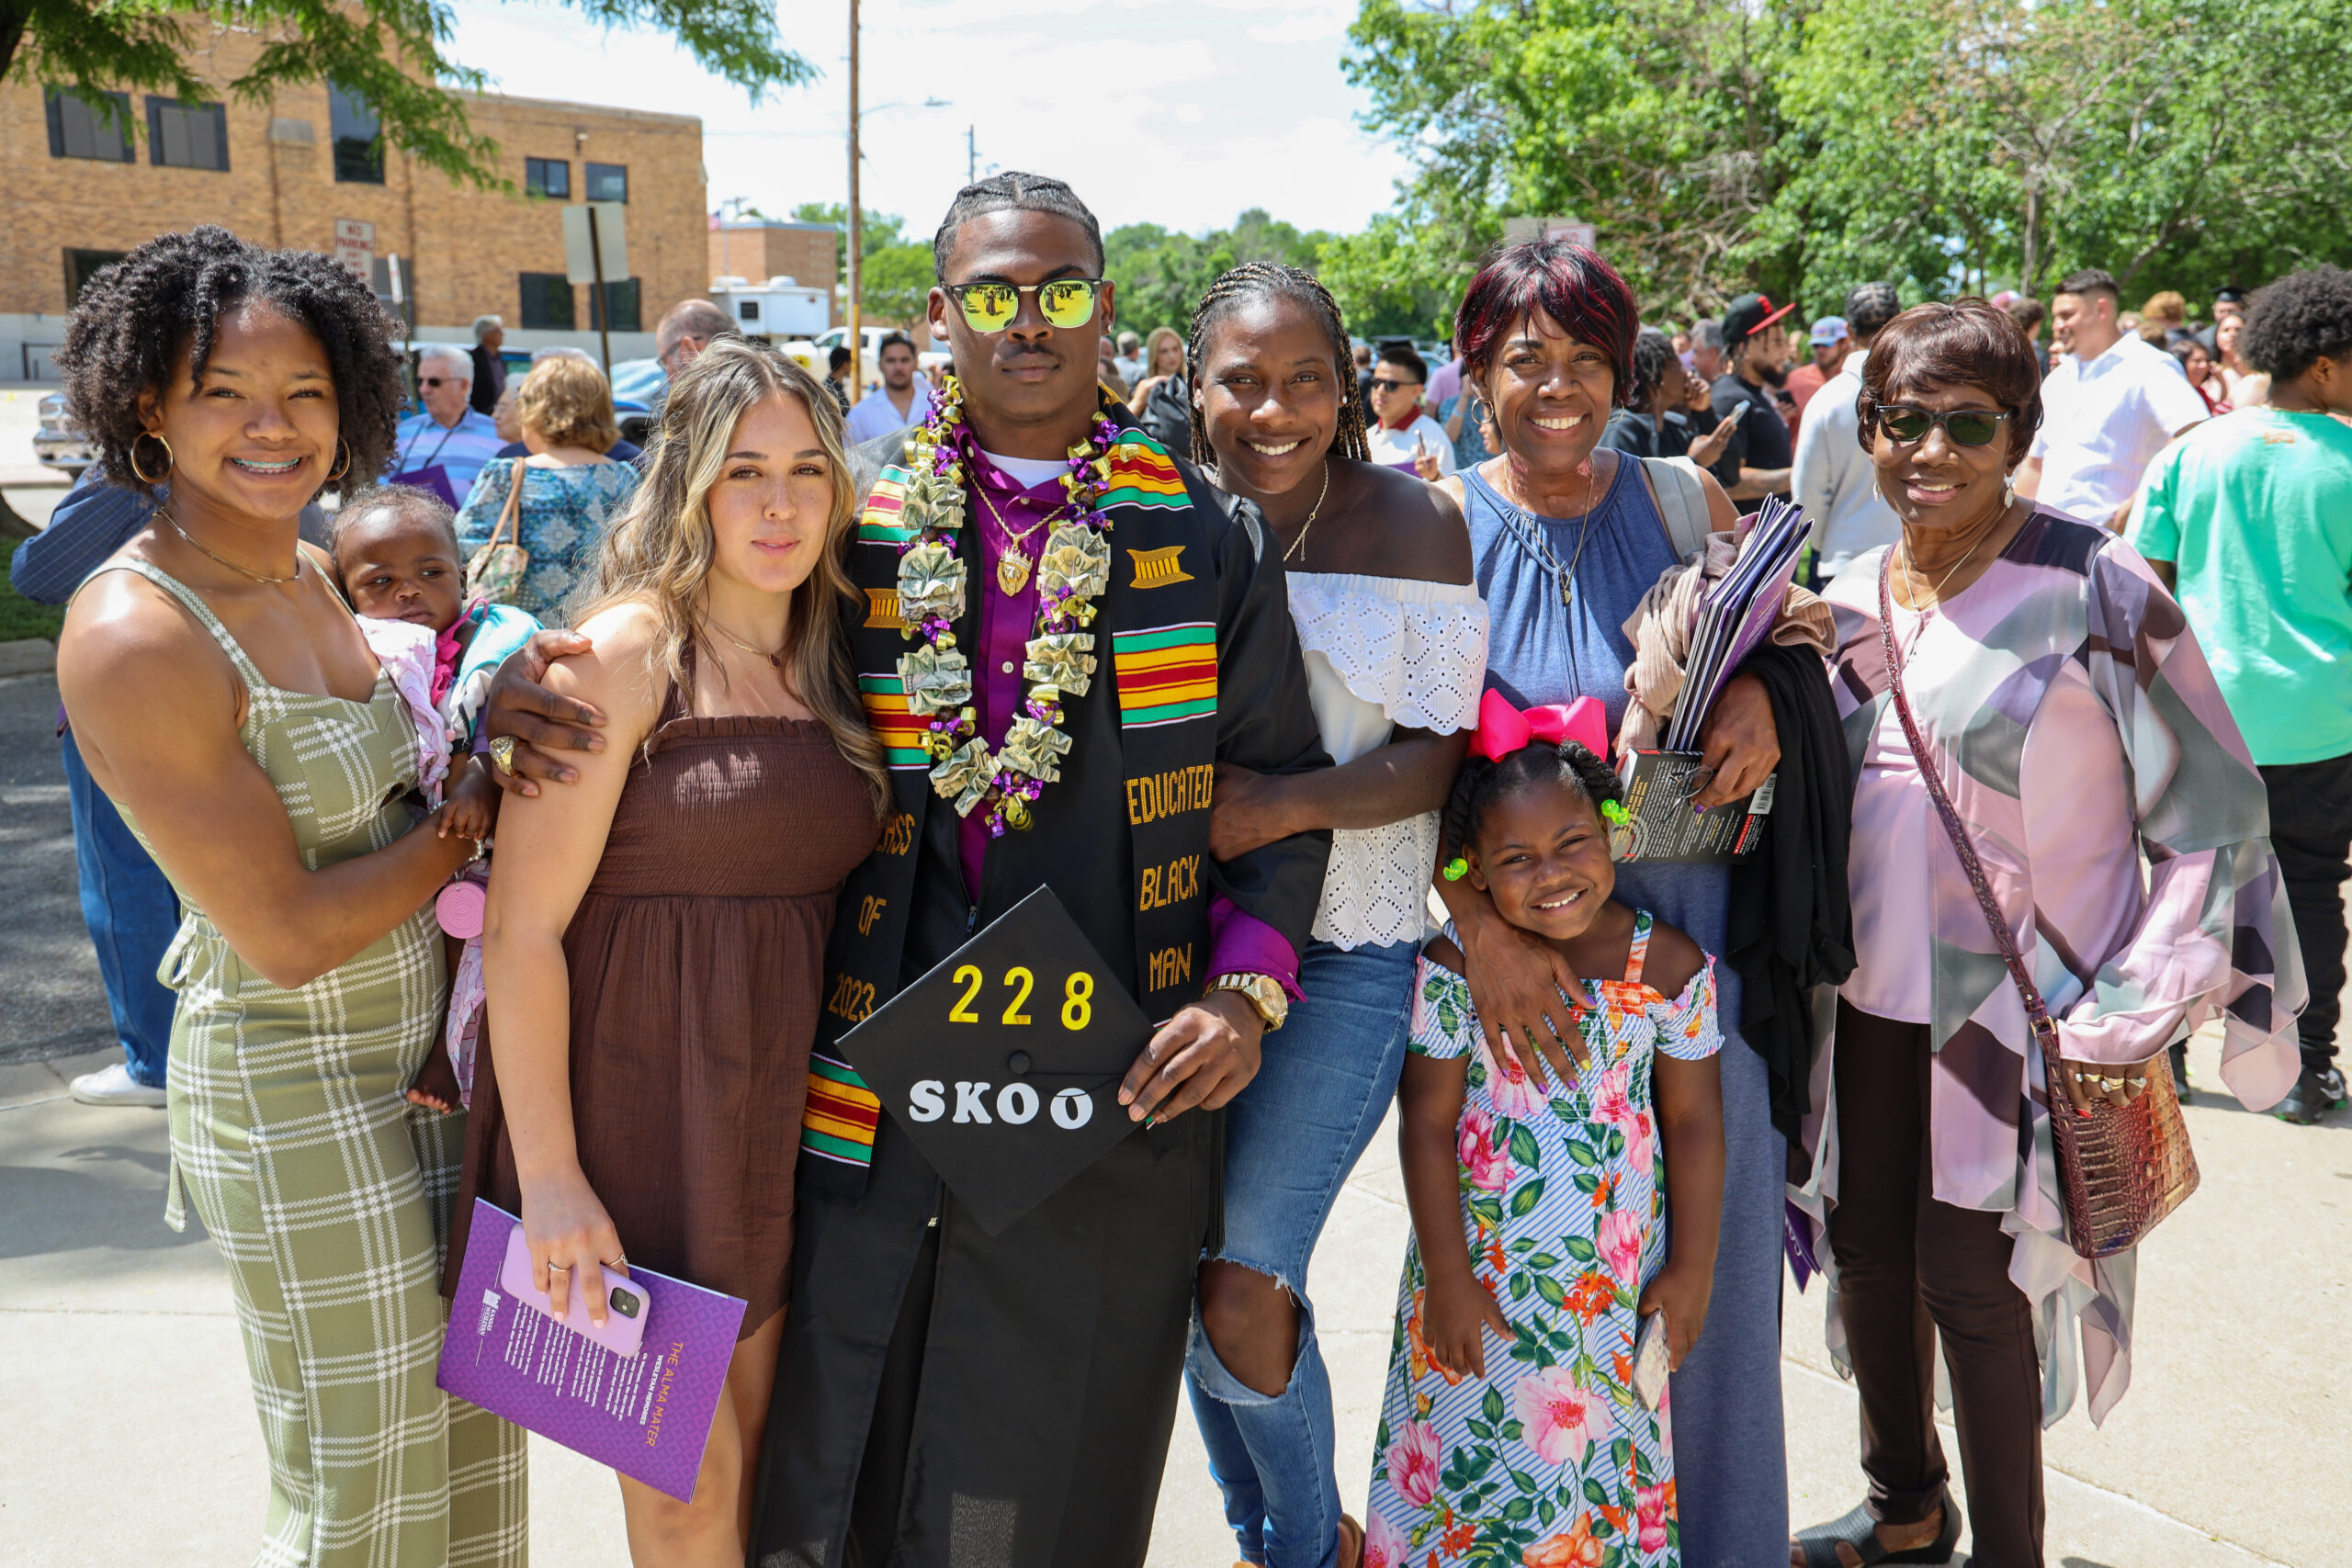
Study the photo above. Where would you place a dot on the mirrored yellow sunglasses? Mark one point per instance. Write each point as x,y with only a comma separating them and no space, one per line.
991,307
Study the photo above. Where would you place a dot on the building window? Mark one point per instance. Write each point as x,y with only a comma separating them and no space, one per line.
83,265
608,182
188,136
358,141
622,294
77,128
548,177
546,300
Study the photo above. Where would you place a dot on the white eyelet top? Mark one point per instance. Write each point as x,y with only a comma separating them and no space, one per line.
1384,651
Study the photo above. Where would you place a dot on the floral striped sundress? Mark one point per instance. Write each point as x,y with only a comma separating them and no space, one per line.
1551,1460
327,1192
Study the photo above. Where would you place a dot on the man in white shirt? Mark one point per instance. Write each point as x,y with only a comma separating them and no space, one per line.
1402,437
903,399
1130,364
2112,404
1834,482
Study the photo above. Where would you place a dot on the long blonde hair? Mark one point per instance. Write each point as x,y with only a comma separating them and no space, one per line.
659,551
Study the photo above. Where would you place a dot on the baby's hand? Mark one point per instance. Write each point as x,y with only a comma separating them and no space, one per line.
1681,1292
1453,1313
473,802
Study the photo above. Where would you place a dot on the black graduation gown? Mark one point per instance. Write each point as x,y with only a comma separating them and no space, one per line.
1022,1419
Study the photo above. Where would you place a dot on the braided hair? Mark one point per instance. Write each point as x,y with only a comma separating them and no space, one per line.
1481,783
1254,280
134,318
1652,351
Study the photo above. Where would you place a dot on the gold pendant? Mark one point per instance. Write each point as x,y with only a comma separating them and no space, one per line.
1013,570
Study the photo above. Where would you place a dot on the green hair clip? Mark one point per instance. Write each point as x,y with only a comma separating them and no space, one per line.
1456,869
1614,811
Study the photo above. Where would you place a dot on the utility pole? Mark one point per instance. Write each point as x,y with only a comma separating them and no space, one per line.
856,226
971,157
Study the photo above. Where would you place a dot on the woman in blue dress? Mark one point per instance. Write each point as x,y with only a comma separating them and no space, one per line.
1565,540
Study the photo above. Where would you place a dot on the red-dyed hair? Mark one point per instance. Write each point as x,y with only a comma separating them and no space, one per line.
1573,286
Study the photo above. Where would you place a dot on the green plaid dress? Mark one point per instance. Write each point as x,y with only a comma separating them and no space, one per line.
325,1190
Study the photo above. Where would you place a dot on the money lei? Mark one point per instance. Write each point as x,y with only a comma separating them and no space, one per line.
1073,570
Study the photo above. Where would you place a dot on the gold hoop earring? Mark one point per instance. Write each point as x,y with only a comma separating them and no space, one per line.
132,457
346,447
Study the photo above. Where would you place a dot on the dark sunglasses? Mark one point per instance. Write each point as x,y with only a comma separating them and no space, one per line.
439,381
1386,384
1964,427
1065,302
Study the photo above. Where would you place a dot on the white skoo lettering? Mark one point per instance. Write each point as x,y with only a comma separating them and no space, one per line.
927,1100
967,1103
1016,1103
1073,1109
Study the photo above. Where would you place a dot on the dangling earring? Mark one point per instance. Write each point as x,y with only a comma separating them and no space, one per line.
344,447
133,456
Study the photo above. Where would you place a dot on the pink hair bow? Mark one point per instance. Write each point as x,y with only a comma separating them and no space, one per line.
1503,728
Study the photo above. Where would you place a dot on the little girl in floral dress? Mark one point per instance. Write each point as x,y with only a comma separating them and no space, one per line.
1511,1432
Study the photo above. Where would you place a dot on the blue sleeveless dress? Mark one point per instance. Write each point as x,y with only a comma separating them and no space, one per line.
1729,1447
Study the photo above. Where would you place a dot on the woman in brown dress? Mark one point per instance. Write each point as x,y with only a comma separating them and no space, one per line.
654,933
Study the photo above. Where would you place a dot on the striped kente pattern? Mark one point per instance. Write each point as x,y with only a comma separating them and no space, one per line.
842,1114
1167,674
901,732
1142,474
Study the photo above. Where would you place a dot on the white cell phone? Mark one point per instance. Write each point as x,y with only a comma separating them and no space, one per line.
1651,1363
1739,412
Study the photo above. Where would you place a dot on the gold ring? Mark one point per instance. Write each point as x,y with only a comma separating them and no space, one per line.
501,754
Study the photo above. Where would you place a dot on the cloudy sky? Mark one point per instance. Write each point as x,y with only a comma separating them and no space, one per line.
1180,112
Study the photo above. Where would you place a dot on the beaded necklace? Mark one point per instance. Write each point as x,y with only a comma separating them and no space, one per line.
1073,570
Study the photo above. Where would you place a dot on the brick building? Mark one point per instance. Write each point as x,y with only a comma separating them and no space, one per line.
762,248
305,170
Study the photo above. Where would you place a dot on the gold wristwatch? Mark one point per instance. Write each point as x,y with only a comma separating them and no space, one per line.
1263,991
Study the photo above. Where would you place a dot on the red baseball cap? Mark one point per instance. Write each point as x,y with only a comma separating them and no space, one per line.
1750,314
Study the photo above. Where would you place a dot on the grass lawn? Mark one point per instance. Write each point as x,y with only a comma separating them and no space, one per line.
21,618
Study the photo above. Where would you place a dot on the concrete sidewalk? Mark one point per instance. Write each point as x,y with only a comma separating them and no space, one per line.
131,1436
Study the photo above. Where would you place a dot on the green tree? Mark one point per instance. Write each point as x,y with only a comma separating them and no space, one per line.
1653,120
391,53
1162,273
895,270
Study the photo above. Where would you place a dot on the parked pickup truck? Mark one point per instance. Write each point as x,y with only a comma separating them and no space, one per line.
59,443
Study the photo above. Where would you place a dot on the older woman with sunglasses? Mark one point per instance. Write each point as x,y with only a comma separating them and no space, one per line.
2057,694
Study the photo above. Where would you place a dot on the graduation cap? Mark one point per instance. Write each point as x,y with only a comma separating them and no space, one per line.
1004,1063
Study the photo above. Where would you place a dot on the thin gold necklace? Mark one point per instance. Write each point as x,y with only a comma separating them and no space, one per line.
233,566
775,660
1299,544
1936,594
1012,563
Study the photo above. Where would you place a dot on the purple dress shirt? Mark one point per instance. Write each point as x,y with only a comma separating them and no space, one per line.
1238,941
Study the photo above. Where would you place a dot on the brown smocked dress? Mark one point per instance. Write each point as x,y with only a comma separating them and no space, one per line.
695,960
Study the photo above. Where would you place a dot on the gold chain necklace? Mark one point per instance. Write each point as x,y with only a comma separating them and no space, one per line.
233,566
1936,594
775,660
1299,544
1014,563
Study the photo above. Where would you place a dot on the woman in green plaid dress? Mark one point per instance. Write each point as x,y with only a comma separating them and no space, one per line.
227,703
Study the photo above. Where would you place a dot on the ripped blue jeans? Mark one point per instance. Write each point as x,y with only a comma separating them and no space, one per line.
1291,1139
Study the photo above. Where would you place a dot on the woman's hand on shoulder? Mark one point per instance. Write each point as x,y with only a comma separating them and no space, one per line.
523,704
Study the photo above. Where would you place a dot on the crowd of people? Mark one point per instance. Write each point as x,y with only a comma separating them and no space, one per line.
1298,672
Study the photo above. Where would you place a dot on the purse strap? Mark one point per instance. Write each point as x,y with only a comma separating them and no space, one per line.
2037,1012
508,520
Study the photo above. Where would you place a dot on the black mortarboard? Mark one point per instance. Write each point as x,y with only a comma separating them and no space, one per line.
1004,1063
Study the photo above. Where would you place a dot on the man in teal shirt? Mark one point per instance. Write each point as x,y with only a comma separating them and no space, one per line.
2249,517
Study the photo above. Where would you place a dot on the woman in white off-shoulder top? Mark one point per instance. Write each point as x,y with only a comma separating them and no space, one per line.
1395,639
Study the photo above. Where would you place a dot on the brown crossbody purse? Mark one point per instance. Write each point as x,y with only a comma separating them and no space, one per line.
2124,1168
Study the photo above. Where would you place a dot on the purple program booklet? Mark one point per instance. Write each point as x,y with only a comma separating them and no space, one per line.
647,1416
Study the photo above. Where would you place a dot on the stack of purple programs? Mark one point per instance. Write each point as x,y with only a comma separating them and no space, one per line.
1736,616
